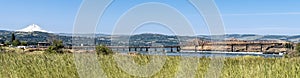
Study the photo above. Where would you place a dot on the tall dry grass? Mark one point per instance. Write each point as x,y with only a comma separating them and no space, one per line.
63,65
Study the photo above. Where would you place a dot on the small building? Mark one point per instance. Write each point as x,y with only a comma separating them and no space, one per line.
2,45
21,47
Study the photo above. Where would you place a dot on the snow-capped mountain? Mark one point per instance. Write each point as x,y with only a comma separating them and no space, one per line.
32,28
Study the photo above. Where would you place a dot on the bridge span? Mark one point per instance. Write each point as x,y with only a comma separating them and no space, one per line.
230,45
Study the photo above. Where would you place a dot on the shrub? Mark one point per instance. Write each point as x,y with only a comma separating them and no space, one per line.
24,43
298,48
103,50
7,43
1,49
295,53
16,43
56,47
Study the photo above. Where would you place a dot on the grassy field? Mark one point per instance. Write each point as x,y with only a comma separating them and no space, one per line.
63,65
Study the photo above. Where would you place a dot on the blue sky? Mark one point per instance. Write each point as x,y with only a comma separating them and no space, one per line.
239,16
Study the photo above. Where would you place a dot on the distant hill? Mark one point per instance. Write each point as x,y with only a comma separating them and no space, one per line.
31,37
295,38
152,39
135,40
71,34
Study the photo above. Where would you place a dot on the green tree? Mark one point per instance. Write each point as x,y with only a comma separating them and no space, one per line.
56,47
13,37
16,43
103,50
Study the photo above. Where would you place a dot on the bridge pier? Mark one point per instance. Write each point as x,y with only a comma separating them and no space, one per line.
232,48
261,47
178,49
196,48
247,46
147,49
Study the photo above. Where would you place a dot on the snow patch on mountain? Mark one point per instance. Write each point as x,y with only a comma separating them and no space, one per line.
32,28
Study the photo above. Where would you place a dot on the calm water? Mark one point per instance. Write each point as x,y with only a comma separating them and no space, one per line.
200,53
207,54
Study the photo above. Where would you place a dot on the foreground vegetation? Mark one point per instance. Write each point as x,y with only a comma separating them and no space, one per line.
62,65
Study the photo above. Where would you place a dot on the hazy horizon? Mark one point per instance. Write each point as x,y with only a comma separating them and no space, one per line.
164,33
263,17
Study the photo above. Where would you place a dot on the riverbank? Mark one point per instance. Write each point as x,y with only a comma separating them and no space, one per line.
63,65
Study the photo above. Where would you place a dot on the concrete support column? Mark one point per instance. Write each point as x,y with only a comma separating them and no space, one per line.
261,47
247,46
129,49
147,49
196,48
232,48
178,49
